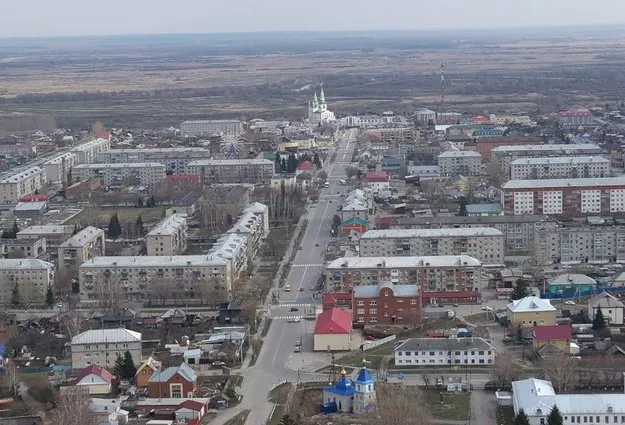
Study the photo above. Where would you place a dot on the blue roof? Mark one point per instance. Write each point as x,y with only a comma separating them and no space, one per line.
364,377
2,350
342,387
358,220
484,208
183,370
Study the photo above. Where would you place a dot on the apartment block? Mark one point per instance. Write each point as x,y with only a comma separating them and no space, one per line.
211,127
251,225
386,304
88,152
232,247
565,197
262,211
428,352
30,277
431,273
166,279
467,163
22,248
25,182
103,346
169,237
252,171
576,117
58,167
518,230
504,155
123,174
566,167
485,145
174,159
88,243
484,243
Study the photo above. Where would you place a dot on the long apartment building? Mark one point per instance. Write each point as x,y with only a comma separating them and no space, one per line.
484,243
88,243
467,163
29,277
211,127
252,171
57,168
564,167
88,152
232,247
504,155
133,173
431,273
565,197
13,187
169,237
252,226
158,278
174,159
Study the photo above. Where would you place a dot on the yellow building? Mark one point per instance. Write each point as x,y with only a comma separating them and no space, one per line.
558,336
529,312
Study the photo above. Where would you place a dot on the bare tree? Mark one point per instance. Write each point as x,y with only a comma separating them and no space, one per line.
506,370
412,317
72,408
351,172
561,369
248,312
398,405
427,380
72,323
256,345
111,294
11,379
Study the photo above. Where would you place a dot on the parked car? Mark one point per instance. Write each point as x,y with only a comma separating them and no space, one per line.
294,309
569,302
297,349
487,308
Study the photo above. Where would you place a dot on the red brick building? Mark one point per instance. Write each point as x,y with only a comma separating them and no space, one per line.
173,382
386,304
487,144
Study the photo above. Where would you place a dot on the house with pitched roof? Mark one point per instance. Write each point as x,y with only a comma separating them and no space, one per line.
530,312
145,372
558,336
611,308
95,378
173,382
333,330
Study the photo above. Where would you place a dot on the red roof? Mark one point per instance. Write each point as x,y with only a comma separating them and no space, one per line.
96,370
305,165
334,322
191,405
33,198
377,177
552,333
330,298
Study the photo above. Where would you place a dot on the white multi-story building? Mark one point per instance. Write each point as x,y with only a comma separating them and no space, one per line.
211,127
13,187
169,237
176,277
58,167
133,173
174,159
504,155
371,121
27,248
566,167
252,226
103,346
54,234
232,247
87,243
30,277
432,273
484,243
537,398
262,211
429,352
253,171
466,163
88,152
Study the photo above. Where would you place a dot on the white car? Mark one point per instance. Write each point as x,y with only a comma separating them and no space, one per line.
294,320
487,308
569,302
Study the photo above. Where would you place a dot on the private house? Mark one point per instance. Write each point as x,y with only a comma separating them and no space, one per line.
530,312
173,382
558,336
102,346
428,352
145,372
189,410
95,378
333,330
611,308
571,282
377,180
354,225
537,397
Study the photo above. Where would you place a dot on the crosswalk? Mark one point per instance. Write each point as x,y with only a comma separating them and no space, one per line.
287,317
293,305
306,265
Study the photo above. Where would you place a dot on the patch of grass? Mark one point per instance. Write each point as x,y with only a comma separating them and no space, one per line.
102,216
276,416
280,394
372,356
266,327
455,406
239,419
505,415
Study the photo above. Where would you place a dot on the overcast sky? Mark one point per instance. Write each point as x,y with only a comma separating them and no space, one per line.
23,18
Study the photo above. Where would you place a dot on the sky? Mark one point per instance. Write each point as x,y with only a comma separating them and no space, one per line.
34,18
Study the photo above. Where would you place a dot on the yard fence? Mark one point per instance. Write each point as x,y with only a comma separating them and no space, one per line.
379,342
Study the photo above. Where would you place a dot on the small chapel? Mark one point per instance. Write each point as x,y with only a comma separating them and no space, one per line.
318,112
350,397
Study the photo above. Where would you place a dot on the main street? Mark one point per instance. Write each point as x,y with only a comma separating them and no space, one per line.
272,365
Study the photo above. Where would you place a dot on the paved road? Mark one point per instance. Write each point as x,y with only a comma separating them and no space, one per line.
273,363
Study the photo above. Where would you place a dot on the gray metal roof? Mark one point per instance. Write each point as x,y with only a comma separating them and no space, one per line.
24,264
559,183
432,233
445,344
370,291
102,336
183,370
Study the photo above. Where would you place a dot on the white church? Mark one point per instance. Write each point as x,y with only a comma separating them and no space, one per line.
318,110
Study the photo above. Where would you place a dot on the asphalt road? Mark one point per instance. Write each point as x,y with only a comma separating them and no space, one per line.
271,367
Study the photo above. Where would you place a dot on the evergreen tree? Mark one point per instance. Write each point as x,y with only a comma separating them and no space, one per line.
140,225
151,203
555,417
316,160
16,298
599,321
520,290
140,202
114,229
118,367
69,177
291,164
277,163
283,166
229,220
128,366
521,418
462,209
49,297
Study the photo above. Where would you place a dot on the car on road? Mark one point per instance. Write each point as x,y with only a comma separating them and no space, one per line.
301,289
298,343
569,302
293,320
316,244
300,248
287,287
487,308
297,349
294,309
